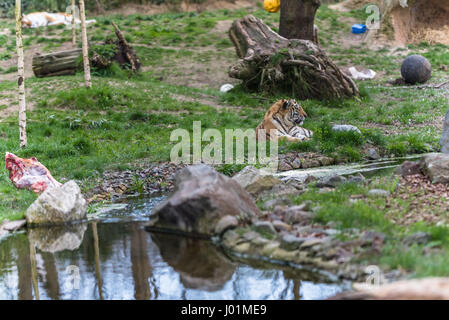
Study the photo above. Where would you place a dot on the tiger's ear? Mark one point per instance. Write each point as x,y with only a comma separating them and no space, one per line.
284,104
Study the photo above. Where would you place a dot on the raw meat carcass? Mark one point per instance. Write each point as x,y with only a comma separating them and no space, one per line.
29,174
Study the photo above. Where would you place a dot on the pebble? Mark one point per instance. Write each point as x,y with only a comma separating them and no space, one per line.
378,193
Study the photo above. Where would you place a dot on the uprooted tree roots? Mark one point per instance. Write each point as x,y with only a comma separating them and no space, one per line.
103,55
272,63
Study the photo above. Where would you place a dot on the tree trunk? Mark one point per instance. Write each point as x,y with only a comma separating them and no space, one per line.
273,63
100,7
56,64
73,23
87,78
21,77
125,53
297,19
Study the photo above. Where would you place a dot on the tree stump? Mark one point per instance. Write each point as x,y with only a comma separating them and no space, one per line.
56,63
269,62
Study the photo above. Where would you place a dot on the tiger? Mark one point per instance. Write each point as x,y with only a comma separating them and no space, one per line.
283,121
44,19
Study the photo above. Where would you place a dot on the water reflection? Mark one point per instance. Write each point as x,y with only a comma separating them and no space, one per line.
123,261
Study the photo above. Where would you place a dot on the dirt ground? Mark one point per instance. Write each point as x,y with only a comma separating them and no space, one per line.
210,5
422,20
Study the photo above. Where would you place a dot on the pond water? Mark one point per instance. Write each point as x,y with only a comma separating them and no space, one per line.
113,257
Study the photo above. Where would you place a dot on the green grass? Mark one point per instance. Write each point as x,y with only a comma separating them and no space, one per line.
78,133
371,214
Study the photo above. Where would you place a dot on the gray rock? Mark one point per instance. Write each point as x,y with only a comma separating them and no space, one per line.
330,181
296,164
358,179
281,226
296,214
285,166
270,204
445,137
202,197
254,181
289,242
416,69
345,127
264,227
436,167
12,226
378,193
418,238
58,205
409,168
311,243
372,154
226,223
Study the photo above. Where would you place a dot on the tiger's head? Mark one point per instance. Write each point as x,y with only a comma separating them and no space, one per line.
292,112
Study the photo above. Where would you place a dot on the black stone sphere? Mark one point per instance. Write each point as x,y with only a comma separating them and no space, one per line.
416,69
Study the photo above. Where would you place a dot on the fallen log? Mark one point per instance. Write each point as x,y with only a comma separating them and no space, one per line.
271,63
56,63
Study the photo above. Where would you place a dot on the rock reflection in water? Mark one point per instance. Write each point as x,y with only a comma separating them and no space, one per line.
199,264
57,238
123,261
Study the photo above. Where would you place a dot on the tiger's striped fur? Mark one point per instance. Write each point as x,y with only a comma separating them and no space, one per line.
283,121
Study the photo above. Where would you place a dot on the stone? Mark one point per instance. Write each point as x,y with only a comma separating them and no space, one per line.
264,227
372,154
254,181
330,181
289,242
269,248
296,164
201,198
326,161
284,166
281,226
357,179
346,127
297,214
270,204
230,238
378,193
445,136
284,255
58,205
311,242
310,163
226,223
416,69
436,288
409,168
418,238
436,167
12,226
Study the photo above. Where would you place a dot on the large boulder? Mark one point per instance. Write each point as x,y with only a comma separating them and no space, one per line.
445,137
202,197
436,167
255,181
416,69
416,289
58,205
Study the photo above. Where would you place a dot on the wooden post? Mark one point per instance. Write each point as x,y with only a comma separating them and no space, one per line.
21,77
73,23
87,78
